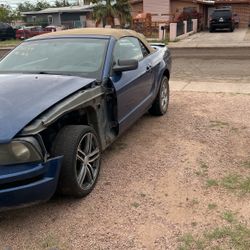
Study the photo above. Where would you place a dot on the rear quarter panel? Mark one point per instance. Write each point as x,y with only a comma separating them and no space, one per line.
162,63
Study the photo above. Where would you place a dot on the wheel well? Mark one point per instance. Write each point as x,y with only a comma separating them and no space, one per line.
166,73
77,117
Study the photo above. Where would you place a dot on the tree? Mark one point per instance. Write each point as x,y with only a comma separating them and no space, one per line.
107,11
61,3
124,12
7,15
27,6
41,5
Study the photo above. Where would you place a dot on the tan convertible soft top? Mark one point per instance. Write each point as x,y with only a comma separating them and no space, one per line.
116,33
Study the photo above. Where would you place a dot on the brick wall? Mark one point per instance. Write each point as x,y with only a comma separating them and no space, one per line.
160,9
177,7
136,7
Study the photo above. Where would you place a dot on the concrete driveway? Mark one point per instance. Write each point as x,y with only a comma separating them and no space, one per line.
238,38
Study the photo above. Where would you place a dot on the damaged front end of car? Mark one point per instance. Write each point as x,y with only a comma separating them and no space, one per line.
26,175
29,171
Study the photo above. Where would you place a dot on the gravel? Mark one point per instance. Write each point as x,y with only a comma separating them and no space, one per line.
150,191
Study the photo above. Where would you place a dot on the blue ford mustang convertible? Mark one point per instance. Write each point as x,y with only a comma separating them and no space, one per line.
64,98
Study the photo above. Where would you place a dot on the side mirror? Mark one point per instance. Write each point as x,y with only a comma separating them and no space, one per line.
125,65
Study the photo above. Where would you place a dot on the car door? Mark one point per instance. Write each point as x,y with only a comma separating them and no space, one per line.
133,88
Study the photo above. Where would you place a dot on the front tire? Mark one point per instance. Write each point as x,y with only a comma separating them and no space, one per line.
81,151
160,105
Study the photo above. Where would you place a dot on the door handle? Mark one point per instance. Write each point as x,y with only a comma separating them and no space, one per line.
149,68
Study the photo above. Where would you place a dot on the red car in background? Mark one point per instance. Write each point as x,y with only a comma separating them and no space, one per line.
27,32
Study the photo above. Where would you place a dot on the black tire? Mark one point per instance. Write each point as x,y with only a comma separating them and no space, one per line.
160,106
211,30
77,166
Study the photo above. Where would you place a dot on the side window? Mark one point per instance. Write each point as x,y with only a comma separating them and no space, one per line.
128,48
145,51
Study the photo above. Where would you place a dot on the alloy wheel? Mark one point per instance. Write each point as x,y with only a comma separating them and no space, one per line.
87,161
164,96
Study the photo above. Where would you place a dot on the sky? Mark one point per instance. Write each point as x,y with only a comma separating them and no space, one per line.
13,3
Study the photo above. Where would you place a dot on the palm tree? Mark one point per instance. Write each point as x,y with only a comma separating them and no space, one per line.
124,12
107,11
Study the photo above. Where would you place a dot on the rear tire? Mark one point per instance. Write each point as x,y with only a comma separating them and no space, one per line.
81,151
160,105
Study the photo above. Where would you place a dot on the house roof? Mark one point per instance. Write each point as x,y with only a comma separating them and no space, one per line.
220,1
70,9
206,1
215,2
116,33
136,1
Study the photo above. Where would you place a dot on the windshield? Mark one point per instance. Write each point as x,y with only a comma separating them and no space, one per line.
68,56
221,13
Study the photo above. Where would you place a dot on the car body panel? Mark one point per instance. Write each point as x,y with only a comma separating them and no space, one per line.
31,96
18,189
136,90
133,90
80,99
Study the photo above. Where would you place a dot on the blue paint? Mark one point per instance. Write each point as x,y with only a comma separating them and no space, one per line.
41,189
23,97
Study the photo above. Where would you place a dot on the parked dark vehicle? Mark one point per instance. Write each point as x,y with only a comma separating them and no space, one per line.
6,31
64,98
221,19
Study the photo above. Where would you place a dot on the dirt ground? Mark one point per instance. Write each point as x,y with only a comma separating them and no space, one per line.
161,182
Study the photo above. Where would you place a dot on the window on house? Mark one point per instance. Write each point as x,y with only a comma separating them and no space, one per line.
189,10
33,19
50,19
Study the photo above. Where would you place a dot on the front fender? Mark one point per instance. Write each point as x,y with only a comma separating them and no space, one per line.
84,98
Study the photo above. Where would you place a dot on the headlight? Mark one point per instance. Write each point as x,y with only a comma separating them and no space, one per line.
20,151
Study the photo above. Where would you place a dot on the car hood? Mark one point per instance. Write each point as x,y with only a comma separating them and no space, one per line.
24,97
